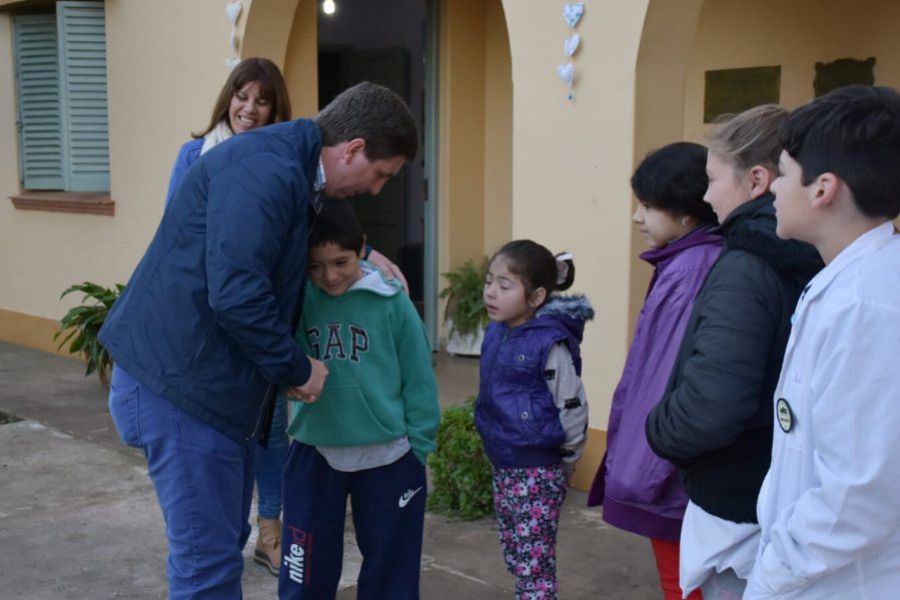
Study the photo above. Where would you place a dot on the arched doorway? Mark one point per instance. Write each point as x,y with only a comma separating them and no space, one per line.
666,43
458,205
681,43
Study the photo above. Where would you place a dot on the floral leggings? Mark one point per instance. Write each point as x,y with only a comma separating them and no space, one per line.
527,502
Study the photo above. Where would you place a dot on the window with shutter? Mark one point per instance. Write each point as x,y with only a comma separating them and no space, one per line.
62,103
39,113
82,78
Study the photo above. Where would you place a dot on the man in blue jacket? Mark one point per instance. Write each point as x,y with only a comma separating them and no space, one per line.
205,323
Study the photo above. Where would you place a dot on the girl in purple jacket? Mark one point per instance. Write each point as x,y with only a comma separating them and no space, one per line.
531,411
639,491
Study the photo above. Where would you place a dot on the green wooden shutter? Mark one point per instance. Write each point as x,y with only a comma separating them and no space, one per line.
82,65
39,113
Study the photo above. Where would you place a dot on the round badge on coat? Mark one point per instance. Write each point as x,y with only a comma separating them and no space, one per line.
785,415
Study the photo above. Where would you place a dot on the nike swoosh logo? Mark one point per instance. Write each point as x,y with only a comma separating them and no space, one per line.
406,496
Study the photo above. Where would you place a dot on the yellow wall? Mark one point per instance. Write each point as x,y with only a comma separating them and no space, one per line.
31,331
572,161
165,66
475,132
795,35
498,145
266,27
666,41
301,65
683,40
461,143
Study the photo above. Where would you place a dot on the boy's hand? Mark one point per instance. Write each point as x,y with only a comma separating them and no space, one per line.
312,389
387,268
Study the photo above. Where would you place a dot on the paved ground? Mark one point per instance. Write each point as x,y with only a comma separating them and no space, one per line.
79,519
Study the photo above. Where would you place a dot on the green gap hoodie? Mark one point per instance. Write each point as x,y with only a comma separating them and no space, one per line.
380,383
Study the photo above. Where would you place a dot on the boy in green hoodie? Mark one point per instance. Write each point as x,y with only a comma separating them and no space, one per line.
370,432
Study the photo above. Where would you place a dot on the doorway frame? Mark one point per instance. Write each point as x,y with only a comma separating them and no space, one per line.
430,150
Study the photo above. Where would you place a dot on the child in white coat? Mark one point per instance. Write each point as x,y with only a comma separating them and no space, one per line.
828,507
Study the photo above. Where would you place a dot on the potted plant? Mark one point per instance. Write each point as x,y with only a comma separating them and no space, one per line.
83,323
465,314
460,470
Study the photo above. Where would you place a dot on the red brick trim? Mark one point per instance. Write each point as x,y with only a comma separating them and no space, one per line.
96,203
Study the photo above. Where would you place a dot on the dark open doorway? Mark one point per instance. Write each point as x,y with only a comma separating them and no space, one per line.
384,43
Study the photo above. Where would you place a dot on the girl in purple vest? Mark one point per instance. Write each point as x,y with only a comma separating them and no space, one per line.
531,410
639,491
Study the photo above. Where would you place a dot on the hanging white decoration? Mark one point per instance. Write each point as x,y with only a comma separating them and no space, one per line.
233,11
572,13
571,45
567,73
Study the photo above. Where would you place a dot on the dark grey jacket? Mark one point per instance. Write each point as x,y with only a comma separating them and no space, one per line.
715,419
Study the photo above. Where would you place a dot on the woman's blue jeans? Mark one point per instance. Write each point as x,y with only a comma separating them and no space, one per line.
270,464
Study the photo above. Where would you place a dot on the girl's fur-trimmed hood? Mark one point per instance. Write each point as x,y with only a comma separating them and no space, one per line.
574,306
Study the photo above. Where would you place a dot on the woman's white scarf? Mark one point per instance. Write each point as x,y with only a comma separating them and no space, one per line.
219,134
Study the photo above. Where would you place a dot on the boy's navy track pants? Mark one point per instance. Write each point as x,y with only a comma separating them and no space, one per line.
388,506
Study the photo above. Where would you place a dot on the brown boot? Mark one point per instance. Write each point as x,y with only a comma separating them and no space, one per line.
268,544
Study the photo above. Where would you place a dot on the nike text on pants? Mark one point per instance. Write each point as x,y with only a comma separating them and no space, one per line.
388,506
204,484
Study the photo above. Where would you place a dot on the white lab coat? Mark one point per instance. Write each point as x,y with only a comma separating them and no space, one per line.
829,507
711,545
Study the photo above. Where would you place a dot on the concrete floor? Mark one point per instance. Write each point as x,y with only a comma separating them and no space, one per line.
79,519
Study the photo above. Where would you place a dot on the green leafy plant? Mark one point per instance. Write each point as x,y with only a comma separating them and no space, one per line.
83,322
465,304
461,472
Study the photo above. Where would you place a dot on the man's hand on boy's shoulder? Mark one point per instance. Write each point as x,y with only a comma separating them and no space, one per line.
312,389
387,268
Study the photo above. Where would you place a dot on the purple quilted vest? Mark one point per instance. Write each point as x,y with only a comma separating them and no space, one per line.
515,413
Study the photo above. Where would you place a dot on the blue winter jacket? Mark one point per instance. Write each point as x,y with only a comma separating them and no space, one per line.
187,154
515,413
205,320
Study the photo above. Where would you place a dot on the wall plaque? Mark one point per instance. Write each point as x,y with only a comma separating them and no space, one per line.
730,91
843,71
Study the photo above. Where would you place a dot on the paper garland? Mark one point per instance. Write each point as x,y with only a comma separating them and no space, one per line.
233,11
571,45
572,13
